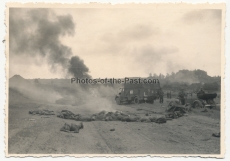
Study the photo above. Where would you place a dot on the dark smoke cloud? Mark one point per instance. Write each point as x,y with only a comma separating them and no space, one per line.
37,32
78,68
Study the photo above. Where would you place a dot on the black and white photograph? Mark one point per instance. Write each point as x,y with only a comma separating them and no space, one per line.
115,80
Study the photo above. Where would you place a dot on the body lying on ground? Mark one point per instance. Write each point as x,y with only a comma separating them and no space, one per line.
72,127
41,112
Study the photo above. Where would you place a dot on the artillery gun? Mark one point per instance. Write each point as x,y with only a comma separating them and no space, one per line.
205,100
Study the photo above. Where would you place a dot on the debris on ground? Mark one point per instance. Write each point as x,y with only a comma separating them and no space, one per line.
72,127
216,134
41,112
112,129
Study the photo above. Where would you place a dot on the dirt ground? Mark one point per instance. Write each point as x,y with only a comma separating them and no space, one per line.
33,134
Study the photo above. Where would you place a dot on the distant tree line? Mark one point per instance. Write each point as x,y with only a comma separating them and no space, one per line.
188,79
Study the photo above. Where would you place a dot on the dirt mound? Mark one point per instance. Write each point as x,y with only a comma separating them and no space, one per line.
33,89
17,80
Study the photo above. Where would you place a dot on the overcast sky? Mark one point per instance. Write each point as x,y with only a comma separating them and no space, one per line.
114,42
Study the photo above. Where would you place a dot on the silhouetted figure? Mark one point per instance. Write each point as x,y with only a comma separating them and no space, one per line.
167,94
201,91
182,96
161,95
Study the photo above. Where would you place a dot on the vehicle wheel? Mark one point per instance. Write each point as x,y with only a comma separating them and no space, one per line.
118,100
197,104
136,100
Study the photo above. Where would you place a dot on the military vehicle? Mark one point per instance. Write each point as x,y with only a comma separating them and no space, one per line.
201,100
137,93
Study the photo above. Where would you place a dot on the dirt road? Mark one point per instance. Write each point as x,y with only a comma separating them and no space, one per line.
35,134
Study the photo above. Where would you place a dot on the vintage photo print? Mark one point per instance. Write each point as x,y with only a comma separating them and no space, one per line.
115,80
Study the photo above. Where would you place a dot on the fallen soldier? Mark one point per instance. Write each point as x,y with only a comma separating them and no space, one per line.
114,116
161,120
41,112
65,114
72,128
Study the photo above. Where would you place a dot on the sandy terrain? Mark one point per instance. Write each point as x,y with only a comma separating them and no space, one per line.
33,134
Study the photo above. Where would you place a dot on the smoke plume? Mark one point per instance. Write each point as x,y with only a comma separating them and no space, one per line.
78,68
38,33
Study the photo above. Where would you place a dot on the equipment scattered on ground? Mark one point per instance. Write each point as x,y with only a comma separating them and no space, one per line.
41,112
72,127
